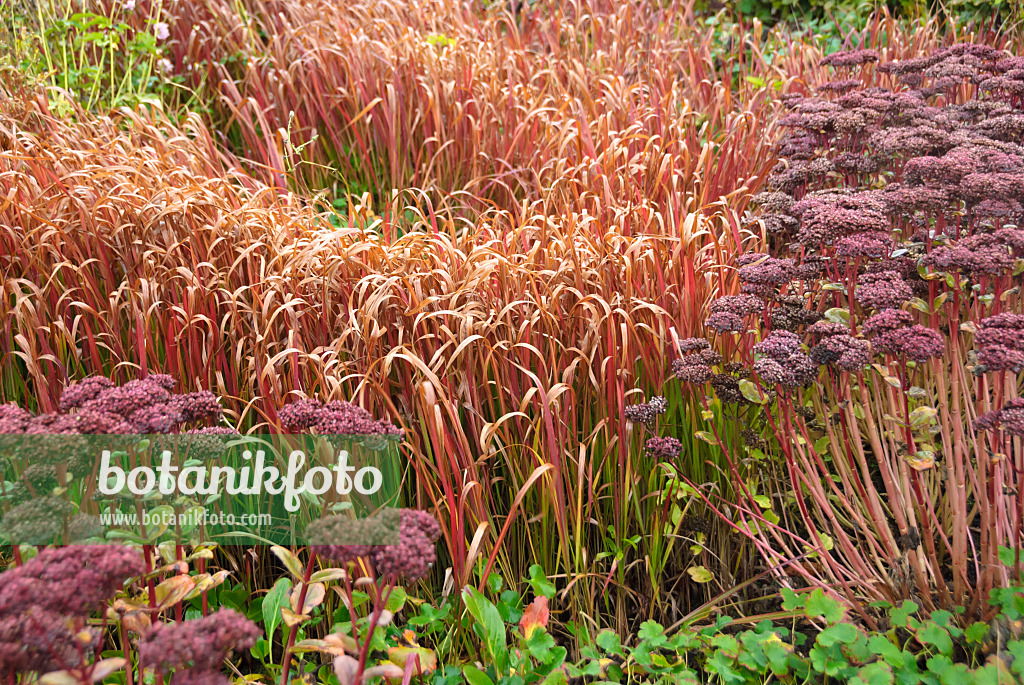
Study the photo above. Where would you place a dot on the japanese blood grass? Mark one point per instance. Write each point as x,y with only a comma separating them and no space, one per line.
616,107
503,347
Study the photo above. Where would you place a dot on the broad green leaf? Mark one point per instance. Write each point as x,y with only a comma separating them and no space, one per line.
328,574
609,641
840,633
653,633
902,615
751,392
819,605
922,416
890,653
290,561
275,600
878,673
838,315
932,634
976,632
539,582
397,600
791,601
489,620
1016,649
474,676
706,436
173,590
700,574
1008,555
315,594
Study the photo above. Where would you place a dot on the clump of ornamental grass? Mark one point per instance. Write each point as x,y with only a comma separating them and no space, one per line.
881,330
277,301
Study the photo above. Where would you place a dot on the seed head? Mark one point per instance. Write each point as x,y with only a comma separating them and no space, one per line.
885,321
724,322
844,351
663,449
647,412
334,418
414,554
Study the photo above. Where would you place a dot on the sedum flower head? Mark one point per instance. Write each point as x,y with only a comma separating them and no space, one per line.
663,449
96,572
885,321
647,412
842,350
916,342
784,361
333,418
403,554
849,58
200,644
882,290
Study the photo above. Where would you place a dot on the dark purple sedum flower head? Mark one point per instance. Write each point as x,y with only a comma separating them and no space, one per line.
398,543
1000,342
412,557
850,58
783,360
694,366
886,321
200,645
96,406
728,313
882,290
96,572
764,270
663,449
333,418
1010,418
842,350
45,602
917,343
647,413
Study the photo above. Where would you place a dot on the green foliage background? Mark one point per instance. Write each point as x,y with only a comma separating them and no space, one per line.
824,16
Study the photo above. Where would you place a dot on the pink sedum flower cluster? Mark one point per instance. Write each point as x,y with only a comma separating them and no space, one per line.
43,625
196,648
398,543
